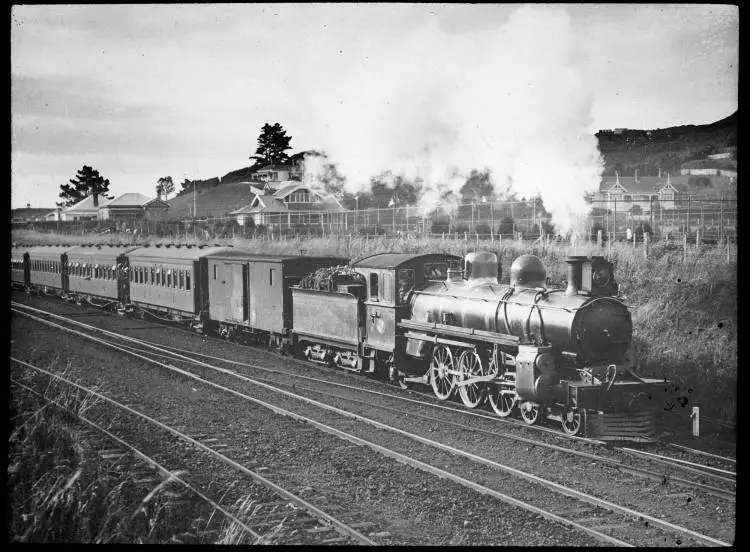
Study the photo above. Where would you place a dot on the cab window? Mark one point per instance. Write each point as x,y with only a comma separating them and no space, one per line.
405,284
373,286
436,271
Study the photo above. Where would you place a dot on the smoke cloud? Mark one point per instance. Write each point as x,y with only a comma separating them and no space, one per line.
436,105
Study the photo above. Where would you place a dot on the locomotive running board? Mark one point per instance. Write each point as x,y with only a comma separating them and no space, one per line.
456,331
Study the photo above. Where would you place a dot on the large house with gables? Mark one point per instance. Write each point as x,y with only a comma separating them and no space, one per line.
667,192
622,193
289,202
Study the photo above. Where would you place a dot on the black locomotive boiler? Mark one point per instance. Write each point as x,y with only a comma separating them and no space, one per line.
560,353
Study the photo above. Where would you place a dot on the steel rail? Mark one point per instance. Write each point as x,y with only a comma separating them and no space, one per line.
320,514
170,475
654,476
379,448
550,484
710,489
704,453
672,461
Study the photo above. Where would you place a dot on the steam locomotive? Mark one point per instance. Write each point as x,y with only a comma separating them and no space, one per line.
432,319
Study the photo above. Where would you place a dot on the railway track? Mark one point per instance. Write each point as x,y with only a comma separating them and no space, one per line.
598,517
150,475
279,506
702,471
691,469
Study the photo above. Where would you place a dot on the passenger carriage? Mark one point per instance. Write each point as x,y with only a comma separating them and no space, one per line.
99,272
47,268
251,293
171,280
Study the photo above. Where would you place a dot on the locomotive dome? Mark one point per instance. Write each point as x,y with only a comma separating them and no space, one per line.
481,266
528,271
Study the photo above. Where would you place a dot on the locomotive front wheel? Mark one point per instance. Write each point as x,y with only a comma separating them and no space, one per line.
441,377
530,412
573,421
470,365
502,403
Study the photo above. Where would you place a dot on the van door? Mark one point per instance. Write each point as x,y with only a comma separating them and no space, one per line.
235,290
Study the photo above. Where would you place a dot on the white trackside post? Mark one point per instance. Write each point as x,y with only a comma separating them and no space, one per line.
696,421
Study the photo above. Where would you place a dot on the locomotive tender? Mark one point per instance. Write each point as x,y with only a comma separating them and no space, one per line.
434,319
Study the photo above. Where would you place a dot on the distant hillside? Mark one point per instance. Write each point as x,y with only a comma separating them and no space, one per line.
626,150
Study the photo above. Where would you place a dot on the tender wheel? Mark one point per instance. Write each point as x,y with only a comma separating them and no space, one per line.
573,421
470,365
530,412
441,377
502,403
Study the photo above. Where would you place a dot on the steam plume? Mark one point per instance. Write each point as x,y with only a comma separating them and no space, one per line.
437,105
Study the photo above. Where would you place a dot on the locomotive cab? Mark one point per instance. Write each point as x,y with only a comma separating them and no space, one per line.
391,277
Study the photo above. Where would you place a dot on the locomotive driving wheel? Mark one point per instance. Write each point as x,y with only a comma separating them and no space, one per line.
530,412
573,421
470,365
441,368
502,402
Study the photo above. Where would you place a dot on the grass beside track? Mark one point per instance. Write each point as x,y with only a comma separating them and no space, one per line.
61,492
684,306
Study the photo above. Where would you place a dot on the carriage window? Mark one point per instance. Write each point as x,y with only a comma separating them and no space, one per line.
215,272
174,279
187,280
169,278
373,287
405,284
182,279
270,277
153,276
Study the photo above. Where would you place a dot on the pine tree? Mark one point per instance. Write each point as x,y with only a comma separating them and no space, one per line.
272,145
87,182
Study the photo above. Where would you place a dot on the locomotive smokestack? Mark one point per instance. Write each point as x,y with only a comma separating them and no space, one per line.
575,273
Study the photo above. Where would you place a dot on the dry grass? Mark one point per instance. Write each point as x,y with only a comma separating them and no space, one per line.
59,489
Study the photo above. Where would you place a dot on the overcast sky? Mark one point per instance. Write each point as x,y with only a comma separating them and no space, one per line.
140,92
